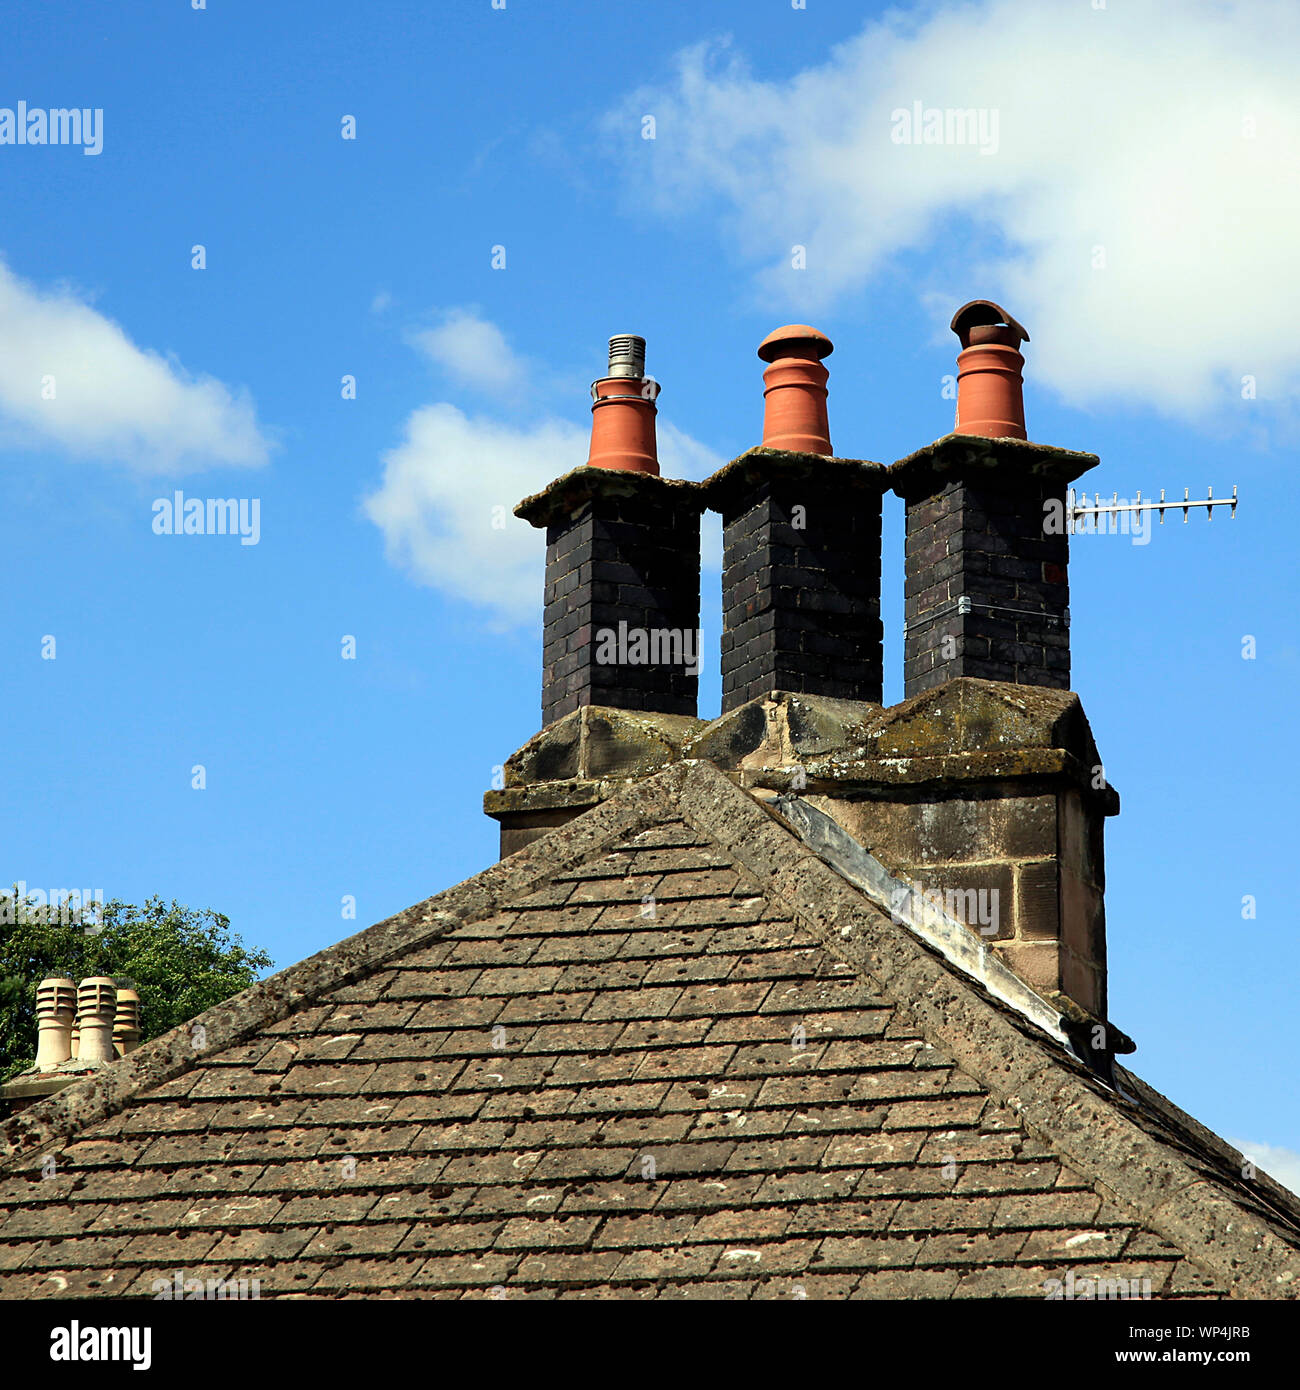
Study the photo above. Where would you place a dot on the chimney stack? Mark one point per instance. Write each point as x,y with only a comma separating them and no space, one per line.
801,544
623,411
96,1011
56,1008
622,610
986,592
982,792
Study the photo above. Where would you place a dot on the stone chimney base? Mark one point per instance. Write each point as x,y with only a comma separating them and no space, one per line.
988,798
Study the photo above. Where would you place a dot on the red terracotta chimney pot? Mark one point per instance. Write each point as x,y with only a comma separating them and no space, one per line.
623,411
990,381
794,413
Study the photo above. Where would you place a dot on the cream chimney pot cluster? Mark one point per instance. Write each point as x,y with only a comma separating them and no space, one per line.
93,1022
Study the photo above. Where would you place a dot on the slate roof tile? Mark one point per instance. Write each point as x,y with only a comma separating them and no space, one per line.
538,1084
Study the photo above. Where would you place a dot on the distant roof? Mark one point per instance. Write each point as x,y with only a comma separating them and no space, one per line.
665,1050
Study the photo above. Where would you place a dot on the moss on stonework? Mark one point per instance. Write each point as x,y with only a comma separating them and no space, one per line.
964,732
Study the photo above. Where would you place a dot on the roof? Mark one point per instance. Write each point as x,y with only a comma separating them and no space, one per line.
665,1051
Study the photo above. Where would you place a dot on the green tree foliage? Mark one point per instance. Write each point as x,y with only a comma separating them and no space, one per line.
181,960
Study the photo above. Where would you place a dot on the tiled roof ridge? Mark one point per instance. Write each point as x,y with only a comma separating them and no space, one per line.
226,1024
1087,1127
1090,1130
1263,1189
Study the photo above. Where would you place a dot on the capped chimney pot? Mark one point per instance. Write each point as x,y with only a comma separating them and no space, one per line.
990,381
627,355
623,411
126,1022
96,1012
794,406
56,1008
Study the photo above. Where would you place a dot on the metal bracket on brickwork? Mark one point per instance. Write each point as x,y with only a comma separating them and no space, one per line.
962,605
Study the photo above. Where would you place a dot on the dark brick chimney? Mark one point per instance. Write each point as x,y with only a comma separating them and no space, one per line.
801,544
986,590
622,612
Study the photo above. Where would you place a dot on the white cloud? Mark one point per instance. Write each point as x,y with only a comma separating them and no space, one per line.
472,351
453,475
112,401
680,456
442,489
1126,128
1283,1165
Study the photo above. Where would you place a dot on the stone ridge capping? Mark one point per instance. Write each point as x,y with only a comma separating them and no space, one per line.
1262,1192
87,1102
760,465
959,455
561,498
1089,1130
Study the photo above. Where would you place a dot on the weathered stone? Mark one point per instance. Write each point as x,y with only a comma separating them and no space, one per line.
811,1098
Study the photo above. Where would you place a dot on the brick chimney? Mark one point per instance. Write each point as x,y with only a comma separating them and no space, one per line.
620,643
801,544
986,592
622,614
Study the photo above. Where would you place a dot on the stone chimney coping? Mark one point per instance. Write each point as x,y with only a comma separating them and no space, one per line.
597,741
952,736
562,497
958,455
764,465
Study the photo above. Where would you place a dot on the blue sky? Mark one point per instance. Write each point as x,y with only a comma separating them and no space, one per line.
1170,148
